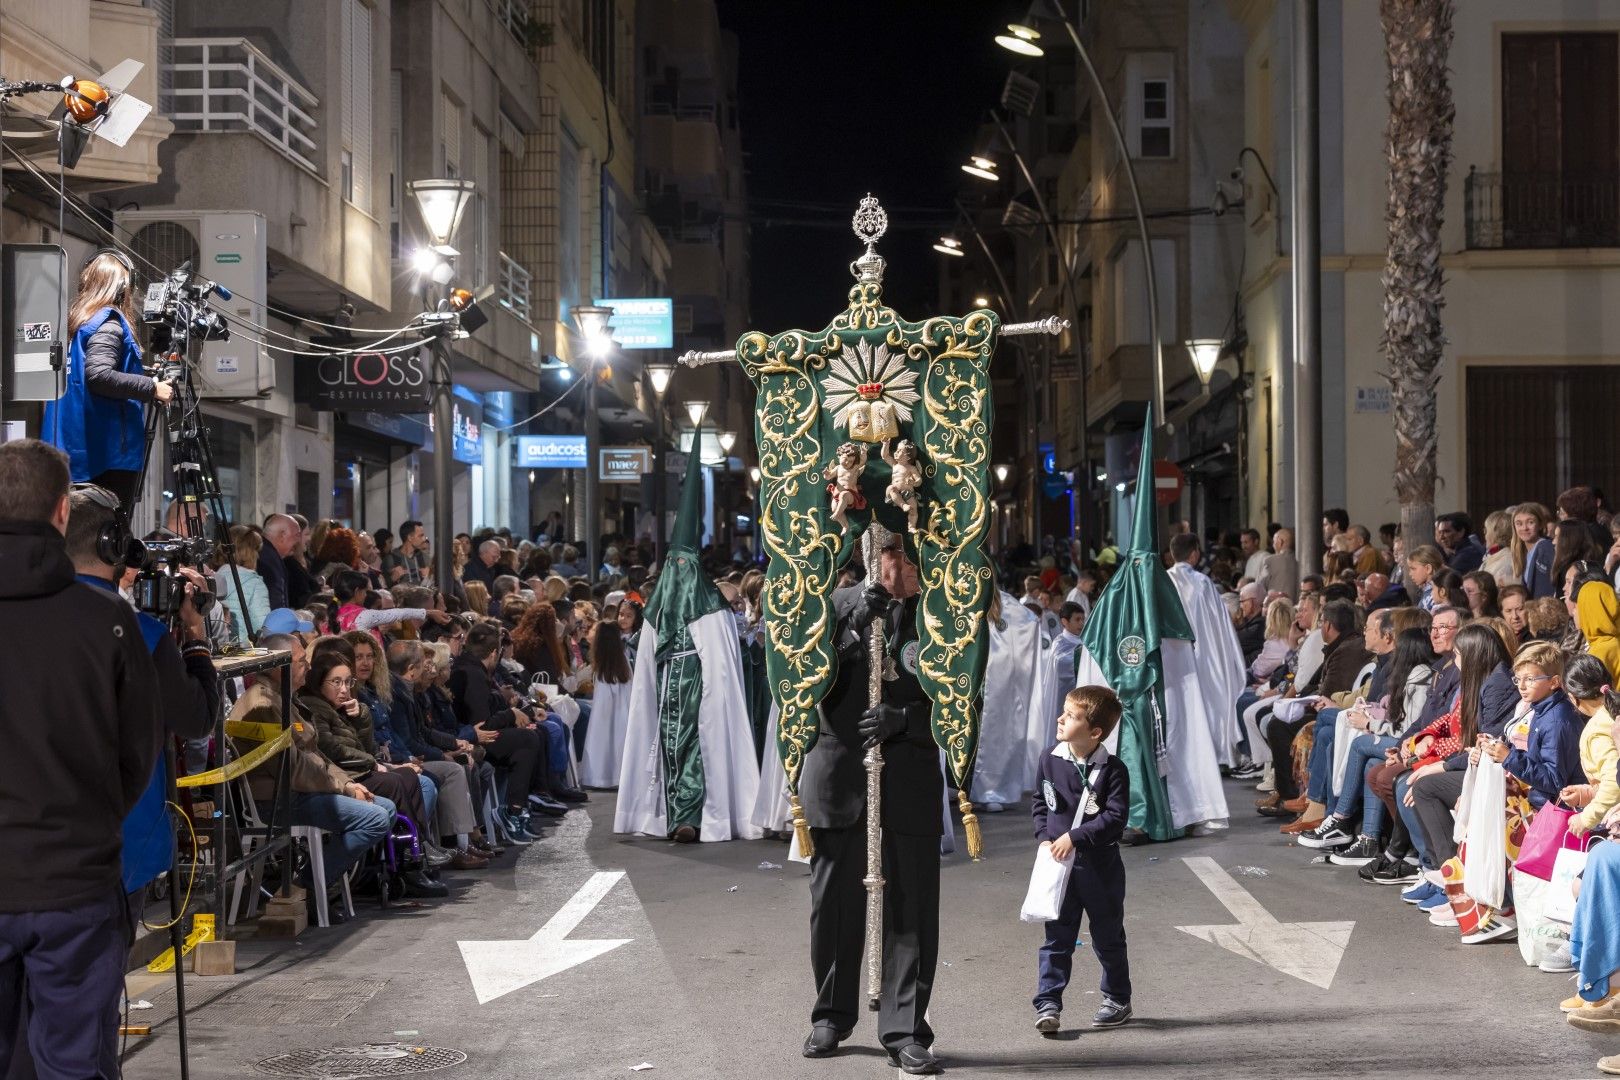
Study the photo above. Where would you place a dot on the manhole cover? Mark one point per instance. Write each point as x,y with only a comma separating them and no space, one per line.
361,1062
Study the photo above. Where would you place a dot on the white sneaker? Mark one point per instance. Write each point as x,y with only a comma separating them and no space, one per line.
1559,961
1435,878
1268,783
1443,916
1499,927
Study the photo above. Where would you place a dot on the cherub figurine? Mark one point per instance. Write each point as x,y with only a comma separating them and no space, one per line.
845,487
905,478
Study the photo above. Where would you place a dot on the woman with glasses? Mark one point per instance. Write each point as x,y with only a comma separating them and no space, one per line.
343,733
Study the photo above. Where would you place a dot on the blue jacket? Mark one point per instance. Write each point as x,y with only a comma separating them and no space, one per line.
1059,790
1538,563
97,433
382,727
1551,759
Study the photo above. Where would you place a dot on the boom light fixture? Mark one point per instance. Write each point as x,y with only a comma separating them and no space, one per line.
1021,39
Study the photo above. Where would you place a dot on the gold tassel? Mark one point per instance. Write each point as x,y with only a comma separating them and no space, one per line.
801,828
970,826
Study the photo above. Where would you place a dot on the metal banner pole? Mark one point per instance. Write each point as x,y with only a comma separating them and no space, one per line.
873,542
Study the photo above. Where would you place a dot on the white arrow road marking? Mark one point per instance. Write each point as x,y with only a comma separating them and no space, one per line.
1307,951
497,968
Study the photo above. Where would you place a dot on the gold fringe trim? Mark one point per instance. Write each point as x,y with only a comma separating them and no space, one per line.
801,828
970,826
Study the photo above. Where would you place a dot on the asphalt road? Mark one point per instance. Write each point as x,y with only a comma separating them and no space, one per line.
710,975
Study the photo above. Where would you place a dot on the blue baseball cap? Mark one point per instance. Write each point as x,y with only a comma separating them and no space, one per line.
285,621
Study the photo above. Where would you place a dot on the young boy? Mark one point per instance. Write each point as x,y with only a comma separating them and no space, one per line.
1081,806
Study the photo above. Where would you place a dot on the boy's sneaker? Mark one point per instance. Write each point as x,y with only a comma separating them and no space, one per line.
1398,872
1048,1021
1361,853
1443,916
1434,902
1330,834
1559,961
1247,769
1500,926
1111,1014
1419,891
513,825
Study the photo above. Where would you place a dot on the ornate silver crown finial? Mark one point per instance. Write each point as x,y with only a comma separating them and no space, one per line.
869,223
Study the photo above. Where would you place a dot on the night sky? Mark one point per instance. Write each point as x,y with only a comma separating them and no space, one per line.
837,98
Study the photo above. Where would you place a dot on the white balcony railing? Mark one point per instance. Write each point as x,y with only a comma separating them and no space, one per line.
227,84
515,285
515,16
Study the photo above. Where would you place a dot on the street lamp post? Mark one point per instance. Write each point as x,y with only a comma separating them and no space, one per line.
592,323
660,375
441,203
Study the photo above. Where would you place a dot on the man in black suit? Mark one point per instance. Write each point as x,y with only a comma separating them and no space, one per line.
834,790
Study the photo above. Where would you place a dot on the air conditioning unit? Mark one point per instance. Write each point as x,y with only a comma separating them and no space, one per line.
227,246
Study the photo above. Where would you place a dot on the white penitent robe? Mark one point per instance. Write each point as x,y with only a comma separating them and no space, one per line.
730,770
604,739
772,811
1221,672
1005,768
1194,780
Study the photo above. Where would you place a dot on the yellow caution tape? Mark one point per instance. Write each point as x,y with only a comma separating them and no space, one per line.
251,732
202,929
244,764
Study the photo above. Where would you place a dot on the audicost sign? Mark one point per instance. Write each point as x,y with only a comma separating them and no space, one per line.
375,381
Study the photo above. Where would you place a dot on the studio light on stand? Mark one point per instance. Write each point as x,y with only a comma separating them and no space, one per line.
596,337
441,203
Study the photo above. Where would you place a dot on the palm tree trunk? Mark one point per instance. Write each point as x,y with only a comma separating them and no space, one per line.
1417,40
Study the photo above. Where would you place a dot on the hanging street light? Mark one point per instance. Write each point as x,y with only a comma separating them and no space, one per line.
949,245
1205,352
696,410
1021,40
728,439
982,167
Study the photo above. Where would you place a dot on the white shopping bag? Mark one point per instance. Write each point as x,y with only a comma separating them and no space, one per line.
1539,937
1560,906
1048,880
1485,856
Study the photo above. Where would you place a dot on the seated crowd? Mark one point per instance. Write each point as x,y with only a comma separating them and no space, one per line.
1423,714
452,720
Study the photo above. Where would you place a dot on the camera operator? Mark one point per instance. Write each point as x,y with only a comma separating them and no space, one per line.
99,420
80,719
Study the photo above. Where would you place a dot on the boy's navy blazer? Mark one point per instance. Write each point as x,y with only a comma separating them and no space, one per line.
1059,791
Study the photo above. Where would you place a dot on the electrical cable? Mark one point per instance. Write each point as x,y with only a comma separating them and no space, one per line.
85,213
191,881
557,401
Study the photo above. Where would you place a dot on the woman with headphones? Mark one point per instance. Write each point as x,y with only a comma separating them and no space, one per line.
99,419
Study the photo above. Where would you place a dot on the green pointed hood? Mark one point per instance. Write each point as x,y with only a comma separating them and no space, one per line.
1140,607
684,593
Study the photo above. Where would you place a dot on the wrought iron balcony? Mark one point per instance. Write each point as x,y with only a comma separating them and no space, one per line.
1541,210
228,84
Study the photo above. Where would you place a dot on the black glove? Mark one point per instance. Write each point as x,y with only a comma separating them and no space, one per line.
881,724
873,604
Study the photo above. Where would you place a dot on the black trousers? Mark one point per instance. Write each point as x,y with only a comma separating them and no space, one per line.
517,751
121,482
1280,737
1432,799
910,931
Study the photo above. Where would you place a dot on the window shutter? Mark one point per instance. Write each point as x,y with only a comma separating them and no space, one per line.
452,135
355,111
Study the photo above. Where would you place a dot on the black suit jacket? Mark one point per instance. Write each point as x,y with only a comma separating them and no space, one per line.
833,784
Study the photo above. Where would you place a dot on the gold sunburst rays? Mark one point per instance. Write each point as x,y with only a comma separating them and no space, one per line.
870,390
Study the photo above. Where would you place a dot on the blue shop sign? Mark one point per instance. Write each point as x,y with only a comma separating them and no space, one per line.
466,424
550,452
646,323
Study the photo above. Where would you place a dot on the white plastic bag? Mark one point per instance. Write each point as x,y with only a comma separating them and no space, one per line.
1485,859
1539,937
1560,905
1048,881
1291,709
